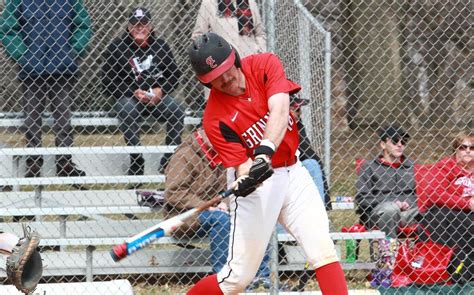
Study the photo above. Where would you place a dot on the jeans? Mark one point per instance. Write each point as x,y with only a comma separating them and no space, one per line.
316,173
130,112
216,226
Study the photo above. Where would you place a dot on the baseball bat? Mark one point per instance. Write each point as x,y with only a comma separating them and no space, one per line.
164,228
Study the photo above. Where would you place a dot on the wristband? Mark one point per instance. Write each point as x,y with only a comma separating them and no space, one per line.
266,147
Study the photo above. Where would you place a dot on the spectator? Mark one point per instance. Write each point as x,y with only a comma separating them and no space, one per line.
139,71
386,196
308,156
46,40
239,22
446,196
195,175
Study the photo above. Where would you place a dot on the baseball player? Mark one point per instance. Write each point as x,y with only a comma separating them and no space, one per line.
248,122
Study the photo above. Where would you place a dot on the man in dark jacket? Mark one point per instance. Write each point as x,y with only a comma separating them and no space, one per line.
139,71
46,39
386,195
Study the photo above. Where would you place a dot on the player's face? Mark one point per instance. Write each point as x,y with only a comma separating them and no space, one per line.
393,149
465,152
231,82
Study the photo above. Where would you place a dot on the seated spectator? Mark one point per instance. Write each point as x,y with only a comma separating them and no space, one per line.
446,196
195,175
139,71
386,196
308,156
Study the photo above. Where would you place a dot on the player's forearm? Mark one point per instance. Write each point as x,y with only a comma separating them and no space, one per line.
277,123
243,169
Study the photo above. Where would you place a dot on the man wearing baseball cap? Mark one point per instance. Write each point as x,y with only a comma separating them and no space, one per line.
140,73
386,195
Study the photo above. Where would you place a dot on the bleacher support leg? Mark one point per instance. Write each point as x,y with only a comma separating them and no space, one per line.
62,229
89,266
275,278
38,200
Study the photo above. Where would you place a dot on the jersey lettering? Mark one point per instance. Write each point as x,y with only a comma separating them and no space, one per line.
254,134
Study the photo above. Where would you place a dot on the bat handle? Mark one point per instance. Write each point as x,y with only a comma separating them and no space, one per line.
119,252
226,193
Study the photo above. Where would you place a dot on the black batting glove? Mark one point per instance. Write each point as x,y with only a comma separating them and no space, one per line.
244,186
261,168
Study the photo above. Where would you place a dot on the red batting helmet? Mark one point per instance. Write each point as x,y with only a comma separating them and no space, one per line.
211,56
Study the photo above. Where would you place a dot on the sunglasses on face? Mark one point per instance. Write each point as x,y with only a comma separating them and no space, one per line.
395,141
465,147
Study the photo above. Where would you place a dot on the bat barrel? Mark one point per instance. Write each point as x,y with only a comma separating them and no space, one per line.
119,252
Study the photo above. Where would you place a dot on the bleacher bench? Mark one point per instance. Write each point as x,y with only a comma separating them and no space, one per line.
79,119
96,235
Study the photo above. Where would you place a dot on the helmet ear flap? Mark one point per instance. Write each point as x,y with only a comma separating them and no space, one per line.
237,62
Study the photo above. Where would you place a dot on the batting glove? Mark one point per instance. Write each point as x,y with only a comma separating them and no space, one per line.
244,186
261,167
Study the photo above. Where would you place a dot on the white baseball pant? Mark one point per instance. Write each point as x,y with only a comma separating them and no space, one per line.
289,197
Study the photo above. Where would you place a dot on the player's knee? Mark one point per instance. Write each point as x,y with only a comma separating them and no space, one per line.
7,242
237,283
236,287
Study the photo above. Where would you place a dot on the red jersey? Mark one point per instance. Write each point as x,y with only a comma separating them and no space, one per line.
235,124
444,184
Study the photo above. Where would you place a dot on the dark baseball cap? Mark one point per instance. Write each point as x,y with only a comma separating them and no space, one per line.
139,15
393,132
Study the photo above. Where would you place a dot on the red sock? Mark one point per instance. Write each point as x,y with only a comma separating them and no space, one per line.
331,279
206,286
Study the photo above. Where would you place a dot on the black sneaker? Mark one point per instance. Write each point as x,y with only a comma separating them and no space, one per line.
33,166
137,165
68,168
164,162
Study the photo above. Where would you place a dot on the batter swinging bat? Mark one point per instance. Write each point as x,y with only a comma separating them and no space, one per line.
165,228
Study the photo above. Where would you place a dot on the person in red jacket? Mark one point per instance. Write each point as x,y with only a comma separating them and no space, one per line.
446,197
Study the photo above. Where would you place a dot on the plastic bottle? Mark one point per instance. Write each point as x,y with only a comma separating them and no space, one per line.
351,245
351,256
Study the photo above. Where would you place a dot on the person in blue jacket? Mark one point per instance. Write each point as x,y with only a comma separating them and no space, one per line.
46,38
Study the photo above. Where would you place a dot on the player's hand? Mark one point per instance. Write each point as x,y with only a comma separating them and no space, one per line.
261,168
244,186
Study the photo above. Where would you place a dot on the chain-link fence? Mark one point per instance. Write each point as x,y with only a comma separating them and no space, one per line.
386,91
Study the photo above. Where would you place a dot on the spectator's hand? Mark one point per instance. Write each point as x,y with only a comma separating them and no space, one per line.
141,96
158,94
402,205
220,207
471,203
